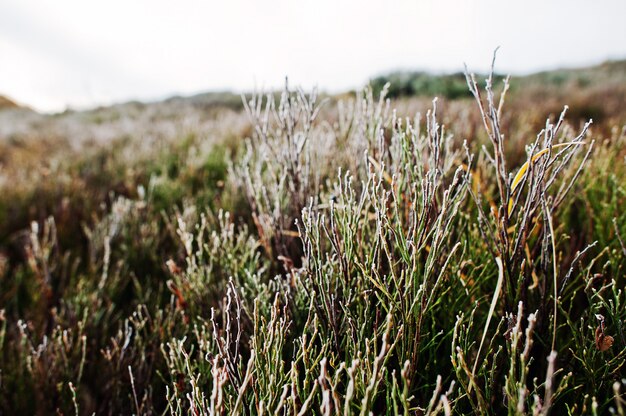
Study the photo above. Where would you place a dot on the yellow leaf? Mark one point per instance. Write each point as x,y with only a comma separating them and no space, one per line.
522,171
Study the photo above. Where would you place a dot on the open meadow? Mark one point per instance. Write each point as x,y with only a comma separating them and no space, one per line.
295,253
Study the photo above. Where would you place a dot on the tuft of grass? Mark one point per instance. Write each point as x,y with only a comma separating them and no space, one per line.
309,256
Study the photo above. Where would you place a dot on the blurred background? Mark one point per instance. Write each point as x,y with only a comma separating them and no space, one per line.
75,54
124,136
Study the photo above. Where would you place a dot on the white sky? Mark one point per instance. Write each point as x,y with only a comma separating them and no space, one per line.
80,53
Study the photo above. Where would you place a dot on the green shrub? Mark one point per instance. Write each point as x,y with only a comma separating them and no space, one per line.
341,258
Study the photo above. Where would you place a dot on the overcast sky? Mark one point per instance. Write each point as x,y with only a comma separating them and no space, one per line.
80,53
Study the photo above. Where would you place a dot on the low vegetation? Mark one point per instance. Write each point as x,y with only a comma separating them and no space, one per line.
299,255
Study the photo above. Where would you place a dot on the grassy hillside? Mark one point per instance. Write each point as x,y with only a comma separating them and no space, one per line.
300,255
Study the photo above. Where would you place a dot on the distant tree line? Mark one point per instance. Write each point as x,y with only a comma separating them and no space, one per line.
416,83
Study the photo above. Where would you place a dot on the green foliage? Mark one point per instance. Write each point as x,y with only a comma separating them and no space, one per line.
332,257
407,84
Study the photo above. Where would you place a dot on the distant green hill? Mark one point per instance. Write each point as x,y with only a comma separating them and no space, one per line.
608,75
607,72
419,83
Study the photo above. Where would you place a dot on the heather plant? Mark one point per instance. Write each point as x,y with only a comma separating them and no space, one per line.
329,257
378,252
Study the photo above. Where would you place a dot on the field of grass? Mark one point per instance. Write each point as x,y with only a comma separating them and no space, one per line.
299,254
